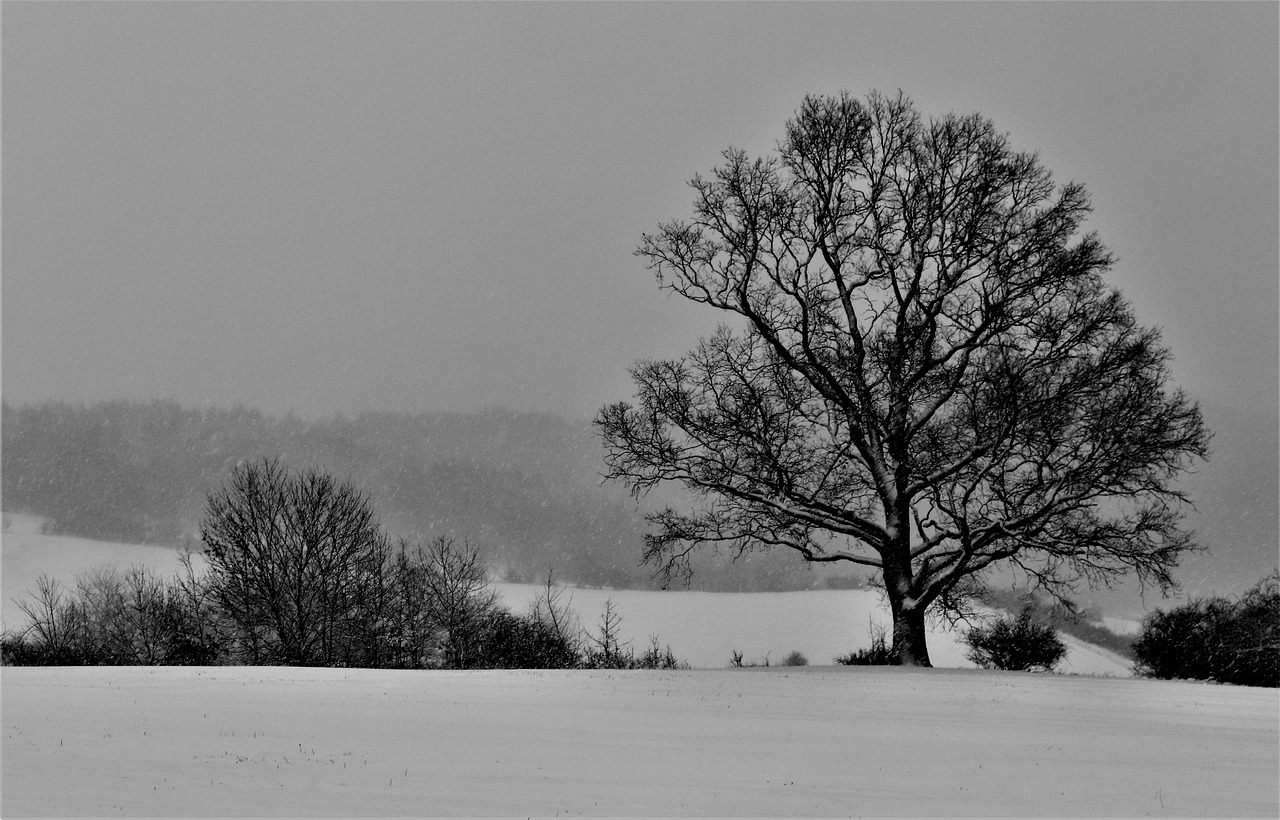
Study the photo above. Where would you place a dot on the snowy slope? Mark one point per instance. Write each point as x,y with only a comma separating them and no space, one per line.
702,628
26,554
816,741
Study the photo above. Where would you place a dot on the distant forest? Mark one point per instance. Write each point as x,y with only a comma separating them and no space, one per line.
524,488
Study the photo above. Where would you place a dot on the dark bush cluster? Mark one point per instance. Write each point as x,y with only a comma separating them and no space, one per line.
1216,638
298,573
1015,644
880,653
112,618
1063,615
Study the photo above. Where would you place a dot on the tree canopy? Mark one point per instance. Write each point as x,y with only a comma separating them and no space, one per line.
923,372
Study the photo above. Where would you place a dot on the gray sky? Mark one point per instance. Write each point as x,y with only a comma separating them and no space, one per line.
346,207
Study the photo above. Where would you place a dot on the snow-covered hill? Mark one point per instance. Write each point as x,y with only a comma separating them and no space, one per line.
779,742
702,628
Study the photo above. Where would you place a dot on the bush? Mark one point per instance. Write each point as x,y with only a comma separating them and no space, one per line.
21,650
1016,644
878,654
1216,639
655,658
796,658
111,618
523,642
1063,616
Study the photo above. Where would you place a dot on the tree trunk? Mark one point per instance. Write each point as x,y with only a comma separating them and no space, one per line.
909,647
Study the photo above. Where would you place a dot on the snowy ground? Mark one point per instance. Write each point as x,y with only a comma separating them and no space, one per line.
816,741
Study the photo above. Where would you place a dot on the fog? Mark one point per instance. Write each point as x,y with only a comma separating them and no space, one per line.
325,208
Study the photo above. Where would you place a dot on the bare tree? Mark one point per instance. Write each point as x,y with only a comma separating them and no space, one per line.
552,609
459,598
129,615
291,560
926,373
55,623
605,649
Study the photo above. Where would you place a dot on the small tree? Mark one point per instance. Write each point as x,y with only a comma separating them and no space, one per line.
132,617
199,638
927,374
1015,644
605,649
552,609
292,558
460,601
57,633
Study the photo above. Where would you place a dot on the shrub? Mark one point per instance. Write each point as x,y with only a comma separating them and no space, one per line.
21,650
523,642
1062,615
655,658
796,658
110,618
878,654
1016,644
1216,639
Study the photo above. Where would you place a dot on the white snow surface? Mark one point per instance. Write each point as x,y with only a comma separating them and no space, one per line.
777,742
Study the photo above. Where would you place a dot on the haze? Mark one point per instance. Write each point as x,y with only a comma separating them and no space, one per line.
332,208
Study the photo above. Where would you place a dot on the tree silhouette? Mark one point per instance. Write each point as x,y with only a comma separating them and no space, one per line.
294,561
926,373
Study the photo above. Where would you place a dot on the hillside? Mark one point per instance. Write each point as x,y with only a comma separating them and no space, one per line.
524,488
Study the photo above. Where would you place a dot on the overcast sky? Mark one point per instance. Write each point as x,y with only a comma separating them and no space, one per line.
346,207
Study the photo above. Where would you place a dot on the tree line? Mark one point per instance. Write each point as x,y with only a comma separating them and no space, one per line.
298,571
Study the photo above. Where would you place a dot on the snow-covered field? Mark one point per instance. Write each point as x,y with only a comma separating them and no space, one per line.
26,554
702,628
815,741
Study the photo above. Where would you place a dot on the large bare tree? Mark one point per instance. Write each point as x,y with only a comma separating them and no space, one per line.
923,371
